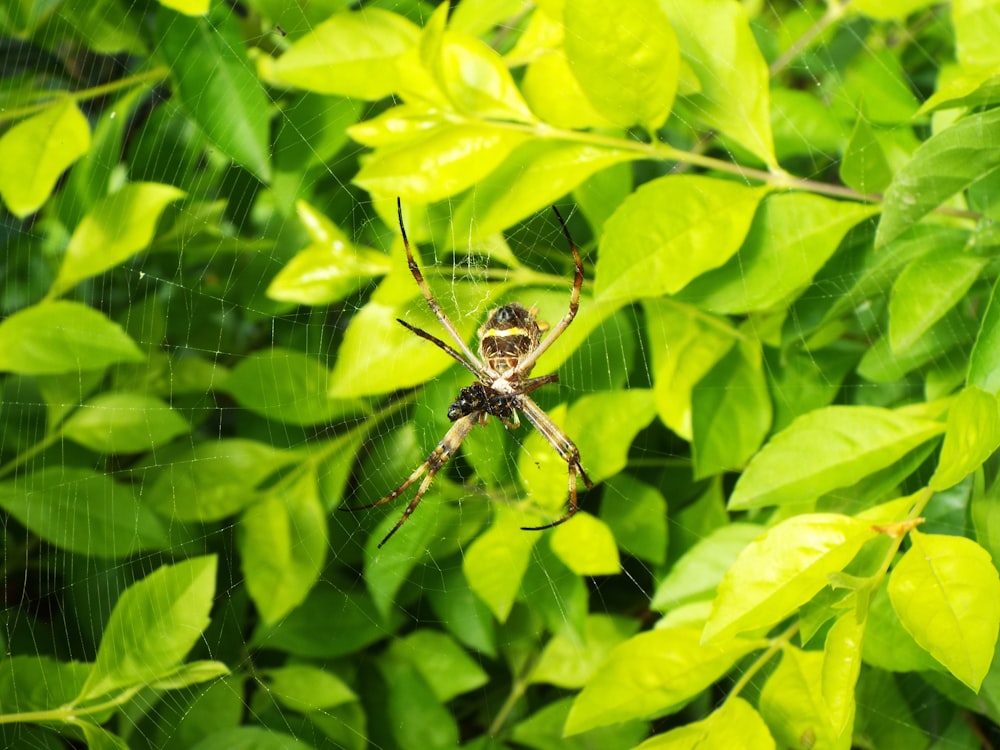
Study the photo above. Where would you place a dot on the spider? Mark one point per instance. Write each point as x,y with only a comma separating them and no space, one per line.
510,342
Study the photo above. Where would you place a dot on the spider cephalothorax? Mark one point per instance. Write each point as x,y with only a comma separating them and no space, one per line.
510,342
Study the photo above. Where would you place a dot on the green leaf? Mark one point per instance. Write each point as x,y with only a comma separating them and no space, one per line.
792,702
283,543
587,546
732,413
250,738
570,662
329,269
305,688
193,673
685,346
735,726
212,480
124,423
652,674
927,288
419,721
782,570
666,234
841,668
116,228
36,151
537,173
944,164
887,644
602,55
554,94
446,668
636,513
958,87
864,166
826,449
543,730
352,54
718,44
39,683
215,83
153,625
82,511
98,738
697,574
984,361
286,386
792,235
972,436
56,337
438,163
947,595
496,562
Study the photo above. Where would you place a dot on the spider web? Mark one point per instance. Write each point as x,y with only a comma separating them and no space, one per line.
210,302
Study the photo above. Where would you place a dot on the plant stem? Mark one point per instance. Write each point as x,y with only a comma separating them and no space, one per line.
777,643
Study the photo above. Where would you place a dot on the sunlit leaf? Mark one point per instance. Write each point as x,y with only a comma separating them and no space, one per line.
652,674
841,667
153,625
734,725
984,361
123,423
972,435
825,449
57,337
587,546
947,595
303,687
601,55
667,233
496,561
792,703
782,570
35,151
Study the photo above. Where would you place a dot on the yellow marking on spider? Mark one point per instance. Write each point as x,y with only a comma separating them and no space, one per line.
505,332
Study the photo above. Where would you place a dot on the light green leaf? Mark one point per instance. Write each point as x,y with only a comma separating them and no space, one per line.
685,346
792,235
474,78
570,662
886,10
792,703
215,83
82,511
984,361
329,269
537,173
554,94
716,41
959,86
117,227
287,386
496,562
696,575
972,435
887,644
214,479
153,625
446,668
947,595
926,289
587,546
667,233
56,337
283,541
782,570
305,688
98,738
636,44
123,423
732,413
35,151
192,673
977,27
841,667
826,449
652,674
543,730
439,163
352,54
735,726
944,164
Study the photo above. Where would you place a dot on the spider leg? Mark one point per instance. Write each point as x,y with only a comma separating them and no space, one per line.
438,457
438,342
566,449
435,307
526,363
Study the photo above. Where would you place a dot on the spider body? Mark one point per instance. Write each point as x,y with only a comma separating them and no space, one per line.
510,342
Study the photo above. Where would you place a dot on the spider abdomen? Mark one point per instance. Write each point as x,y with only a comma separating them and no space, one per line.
509,334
